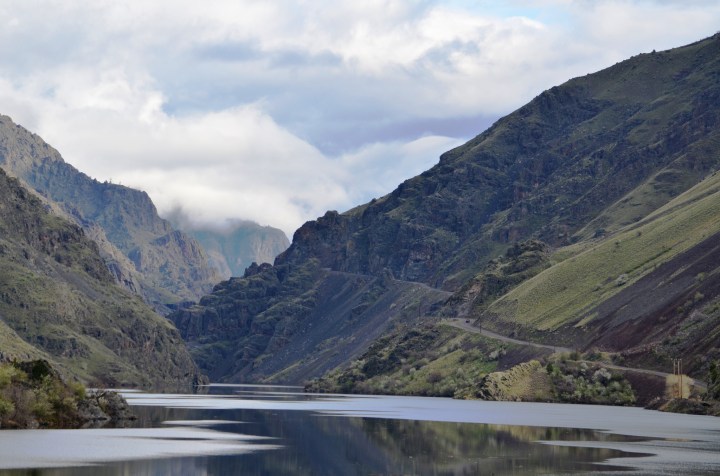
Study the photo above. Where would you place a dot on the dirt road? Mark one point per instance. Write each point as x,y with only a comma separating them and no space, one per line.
467,326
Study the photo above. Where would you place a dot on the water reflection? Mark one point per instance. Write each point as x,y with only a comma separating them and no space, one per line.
317,441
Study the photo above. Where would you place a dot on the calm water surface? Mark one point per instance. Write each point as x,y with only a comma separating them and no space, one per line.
254,430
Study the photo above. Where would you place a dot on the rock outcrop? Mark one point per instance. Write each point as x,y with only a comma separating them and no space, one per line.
241,243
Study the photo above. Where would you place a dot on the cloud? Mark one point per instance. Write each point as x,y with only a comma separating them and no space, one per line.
382,166
237,162
278,110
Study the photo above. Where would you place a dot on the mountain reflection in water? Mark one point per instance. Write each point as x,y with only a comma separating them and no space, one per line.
318,435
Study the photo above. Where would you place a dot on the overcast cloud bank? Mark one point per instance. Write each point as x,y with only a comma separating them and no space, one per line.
276,111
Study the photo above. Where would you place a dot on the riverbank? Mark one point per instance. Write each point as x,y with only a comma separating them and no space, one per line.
34,395
686,405
245,429
453,358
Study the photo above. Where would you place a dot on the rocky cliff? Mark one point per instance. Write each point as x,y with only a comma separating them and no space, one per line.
554,169
143,251
241,243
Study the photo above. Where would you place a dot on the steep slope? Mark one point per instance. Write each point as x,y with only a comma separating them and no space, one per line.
644,296
59,302
167,265
652,287
233,249
290,325
581,161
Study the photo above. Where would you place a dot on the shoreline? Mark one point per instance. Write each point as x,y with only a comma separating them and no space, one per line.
670,439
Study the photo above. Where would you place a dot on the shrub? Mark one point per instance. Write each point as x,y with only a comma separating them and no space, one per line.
713,392
33,394
434,377
6,408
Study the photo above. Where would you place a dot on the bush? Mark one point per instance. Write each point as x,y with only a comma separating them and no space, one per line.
582,384
434,377
32,394
713,392
6,408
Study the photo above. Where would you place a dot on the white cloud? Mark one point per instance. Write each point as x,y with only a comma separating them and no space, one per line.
382,166
278,110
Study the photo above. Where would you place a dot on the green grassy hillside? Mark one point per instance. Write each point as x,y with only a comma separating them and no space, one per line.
556,169
588,217
594,271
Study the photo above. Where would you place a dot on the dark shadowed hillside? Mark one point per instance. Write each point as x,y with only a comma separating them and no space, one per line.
308,318
548,170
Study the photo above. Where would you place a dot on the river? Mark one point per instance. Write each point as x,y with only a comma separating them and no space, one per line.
255,430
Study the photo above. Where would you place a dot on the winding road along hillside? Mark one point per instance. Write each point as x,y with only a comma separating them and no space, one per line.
468,327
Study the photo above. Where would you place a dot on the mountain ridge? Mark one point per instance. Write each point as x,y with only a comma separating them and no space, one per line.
240,243
579,162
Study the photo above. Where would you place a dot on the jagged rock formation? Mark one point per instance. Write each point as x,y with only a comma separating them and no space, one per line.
59,302
595,161
143,251
242,243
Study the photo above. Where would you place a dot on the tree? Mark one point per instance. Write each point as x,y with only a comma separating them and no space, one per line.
713,392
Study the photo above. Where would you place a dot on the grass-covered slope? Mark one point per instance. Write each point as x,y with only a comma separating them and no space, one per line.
648,283
421,359
59,302
650,293
570,291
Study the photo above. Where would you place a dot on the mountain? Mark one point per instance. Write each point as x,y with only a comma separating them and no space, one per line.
234,248
144,252
59,302
553,224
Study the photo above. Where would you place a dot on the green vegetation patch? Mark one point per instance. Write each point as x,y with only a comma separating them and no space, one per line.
568,291
33,395
427,360
588,382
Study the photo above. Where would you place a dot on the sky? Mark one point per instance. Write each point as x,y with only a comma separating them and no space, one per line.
275,110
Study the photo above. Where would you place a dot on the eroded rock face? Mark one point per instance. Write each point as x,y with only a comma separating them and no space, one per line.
168,266
544,171
288,325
